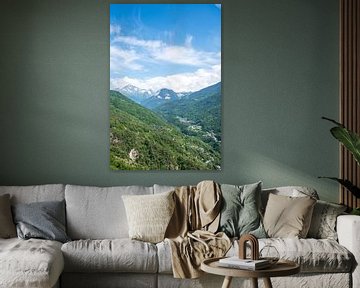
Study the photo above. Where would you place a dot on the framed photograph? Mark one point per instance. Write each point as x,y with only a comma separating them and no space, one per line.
165,87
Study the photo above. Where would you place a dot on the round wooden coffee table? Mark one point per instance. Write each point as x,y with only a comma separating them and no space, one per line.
281,268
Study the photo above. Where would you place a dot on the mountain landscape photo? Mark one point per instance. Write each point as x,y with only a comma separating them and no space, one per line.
165,87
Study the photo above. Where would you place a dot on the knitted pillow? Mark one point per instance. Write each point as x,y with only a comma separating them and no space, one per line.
149,215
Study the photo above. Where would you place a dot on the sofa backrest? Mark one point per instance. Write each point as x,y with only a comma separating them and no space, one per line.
36,193
98,212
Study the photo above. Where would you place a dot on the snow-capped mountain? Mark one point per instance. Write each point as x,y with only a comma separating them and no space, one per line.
149,98
136,94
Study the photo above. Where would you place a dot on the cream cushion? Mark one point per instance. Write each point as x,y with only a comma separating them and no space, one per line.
313,255
30,263
288,216
149,215
110,255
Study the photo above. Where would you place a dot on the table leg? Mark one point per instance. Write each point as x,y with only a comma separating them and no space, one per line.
254,282
227,282
267,283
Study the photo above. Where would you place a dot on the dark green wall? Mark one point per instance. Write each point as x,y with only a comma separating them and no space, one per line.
280,75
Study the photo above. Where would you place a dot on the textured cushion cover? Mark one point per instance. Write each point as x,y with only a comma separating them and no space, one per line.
117,255
98,212
323,222
149,215
32,263
240,210
287,216
7,226
45,220
313,255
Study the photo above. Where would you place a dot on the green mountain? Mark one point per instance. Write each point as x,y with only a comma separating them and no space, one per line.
197,114
142,140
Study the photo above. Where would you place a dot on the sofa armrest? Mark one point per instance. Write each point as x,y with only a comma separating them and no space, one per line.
348,230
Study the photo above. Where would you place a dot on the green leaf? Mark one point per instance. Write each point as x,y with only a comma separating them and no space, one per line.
348,138
347,184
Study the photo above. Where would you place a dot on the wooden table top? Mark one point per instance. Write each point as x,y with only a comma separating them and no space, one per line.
281,268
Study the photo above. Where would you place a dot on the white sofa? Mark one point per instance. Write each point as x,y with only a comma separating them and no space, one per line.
101,255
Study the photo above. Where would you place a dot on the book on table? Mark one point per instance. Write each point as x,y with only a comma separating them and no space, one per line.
249,264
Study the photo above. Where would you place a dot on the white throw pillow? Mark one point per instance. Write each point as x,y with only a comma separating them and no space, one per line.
149,215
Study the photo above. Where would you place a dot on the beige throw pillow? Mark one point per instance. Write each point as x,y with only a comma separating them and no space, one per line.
288,217
7,226
149,215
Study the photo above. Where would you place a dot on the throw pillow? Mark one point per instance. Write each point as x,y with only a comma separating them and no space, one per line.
44,220
323,222
149,215
240,213
7,226
288,217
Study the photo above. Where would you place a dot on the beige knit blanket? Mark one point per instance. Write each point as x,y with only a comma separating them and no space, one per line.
191,231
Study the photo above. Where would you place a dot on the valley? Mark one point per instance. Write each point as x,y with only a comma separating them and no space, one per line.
165,129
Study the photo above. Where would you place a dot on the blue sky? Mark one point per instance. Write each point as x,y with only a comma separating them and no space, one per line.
154,46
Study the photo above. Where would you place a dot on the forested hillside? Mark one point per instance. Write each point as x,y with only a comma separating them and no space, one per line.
140,139
197,114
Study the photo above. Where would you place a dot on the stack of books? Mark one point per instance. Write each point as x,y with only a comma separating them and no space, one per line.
248,264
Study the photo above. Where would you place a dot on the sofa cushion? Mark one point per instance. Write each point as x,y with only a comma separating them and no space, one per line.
7,226
149,215
43,220
287,216
98,213
36,193
323,222
116,255
313,255
240,210
30,263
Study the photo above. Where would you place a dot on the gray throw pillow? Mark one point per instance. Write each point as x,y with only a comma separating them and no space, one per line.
323,222
44,220
240,213
7,226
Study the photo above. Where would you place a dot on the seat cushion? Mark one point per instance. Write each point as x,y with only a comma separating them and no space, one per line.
30,263
313,255
117,255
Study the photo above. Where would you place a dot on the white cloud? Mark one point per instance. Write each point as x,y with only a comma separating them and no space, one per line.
186,56
124,59
133,41
115,29
218,6
157,50
188,40
182,82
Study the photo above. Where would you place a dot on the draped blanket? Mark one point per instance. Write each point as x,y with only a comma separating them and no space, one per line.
191,232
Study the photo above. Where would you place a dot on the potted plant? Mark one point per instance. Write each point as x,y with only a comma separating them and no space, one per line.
351,142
